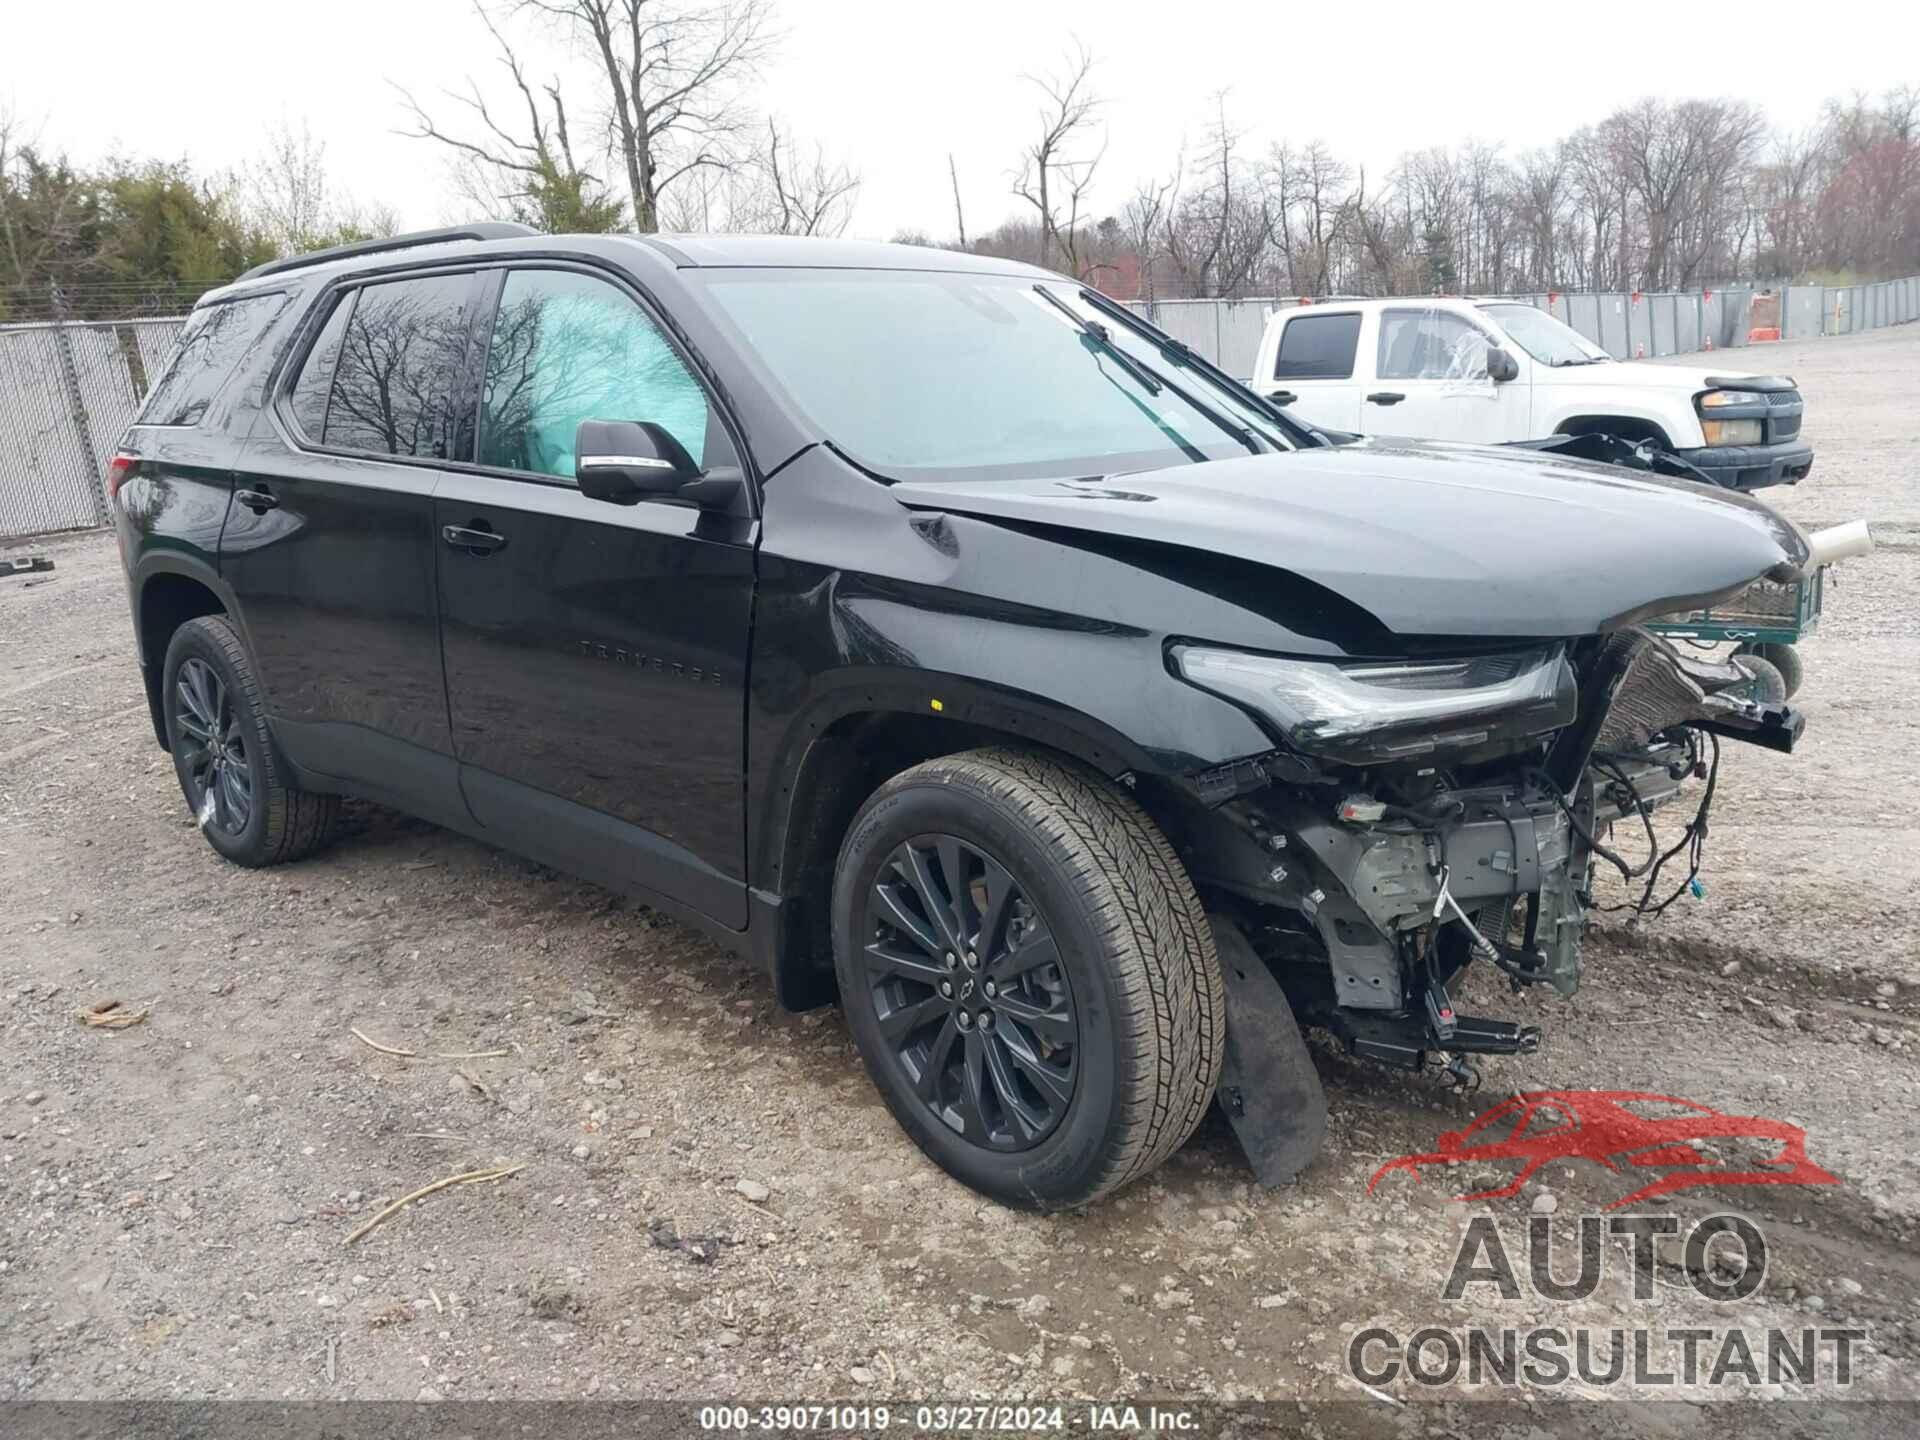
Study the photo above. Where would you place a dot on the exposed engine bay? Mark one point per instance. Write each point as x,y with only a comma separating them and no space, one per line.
1461,813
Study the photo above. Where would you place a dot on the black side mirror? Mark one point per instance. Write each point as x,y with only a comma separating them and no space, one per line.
1501,367
626,461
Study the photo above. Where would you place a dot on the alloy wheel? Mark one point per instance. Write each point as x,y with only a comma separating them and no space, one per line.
212,748
966,981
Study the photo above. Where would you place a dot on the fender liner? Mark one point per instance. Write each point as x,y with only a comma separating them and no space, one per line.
1269,1090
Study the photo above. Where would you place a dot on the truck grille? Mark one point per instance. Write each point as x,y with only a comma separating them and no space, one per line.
1784,411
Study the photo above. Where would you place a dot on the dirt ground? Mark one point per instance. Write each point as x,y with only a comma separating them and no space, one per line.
715,1204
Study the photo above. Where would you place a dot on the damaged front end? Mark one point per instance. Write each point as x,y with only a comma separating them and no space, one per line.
1421,814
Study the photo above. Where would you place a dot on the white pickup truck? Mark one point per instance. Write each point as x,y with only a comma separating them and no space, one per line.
1495,371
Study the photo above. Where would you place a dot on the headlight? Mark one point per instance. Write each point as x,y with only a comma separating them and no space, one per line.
1731,432
1373,712
1715,399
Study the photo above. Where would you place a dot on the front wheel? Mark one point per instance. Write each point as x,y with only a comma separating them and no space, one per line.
223,752
1028,974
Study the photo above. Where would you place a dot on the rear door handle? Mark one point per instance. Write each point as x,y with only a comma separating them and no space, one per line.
1385,397
472,540
259,499
1282,397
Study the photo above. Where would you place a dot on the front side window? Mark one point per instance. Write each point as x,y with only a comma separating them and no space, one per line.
568,347
1545,338
931,375
1318,347
1431,345
211,344
396,378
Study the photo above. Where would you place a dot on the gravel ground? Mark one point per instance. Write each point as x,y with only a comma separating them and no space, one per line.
714,1202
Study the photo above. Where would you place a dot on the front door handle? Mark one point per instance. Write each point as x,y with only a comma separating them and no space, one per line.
471,539
1282,397
1385,397
259,499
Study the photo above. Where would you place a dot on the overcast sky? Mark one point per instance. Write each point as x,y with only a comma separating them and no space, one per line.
894,85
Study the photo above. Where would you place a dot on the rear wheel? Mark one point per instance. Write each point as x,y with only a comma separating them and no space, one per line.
223,754
1028,974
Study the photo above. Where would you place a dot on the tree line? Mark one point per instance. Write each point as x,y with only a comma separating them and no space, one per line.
130,237
658,131
1660,195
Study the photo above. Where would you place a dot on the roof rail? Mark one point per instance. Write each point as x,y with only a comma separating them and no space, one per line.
482,230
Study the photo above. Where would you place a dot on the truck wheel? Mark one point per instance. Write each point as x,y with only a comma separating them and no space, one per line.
1767,685
224,755
1783,658
1028,974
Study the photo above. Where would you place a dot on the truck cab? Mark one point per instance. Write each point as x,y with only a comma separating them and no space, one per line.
1492,372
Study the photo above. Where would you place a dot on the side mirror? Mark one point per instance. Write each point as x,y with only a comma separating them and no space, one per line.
1501,367
626,461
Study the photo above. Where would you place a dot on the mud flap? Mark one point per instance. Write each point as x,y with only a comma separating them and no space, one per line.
1269,1090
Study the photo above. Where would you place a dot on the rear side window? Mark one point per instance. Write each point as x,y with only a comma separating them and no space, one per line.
215,338
396,352
1318,347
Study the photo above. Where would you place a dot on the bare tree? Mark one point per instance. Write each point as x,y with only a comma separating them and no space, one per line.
287,192
1143,222
532,171
673,72
1058,167
796,194
778,189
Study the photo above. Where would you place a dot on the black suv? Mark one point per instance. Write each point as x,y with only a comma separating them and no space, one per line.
936,632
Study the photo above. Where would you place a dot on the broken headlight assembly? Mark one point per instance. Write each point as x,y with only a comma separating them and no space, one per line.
1376,712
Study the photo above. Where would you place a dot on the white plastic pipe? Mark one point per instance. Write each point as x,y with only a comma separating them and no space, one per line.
1838,542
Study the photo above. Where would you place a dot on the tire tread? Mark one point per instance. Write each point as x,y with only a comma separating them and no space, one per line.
298,822
1157,938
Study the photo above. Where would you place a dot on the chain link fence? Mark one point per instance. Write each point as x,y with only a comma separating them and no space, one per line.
1628,325
67,392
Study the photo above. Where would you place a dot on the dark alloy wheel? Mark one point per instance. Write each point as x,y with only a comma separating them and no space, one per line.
967,983
247,806
1028,973
211,749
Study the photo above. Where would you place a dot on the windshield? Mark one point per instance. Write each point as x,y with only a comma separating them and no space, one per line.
1545,338
930,375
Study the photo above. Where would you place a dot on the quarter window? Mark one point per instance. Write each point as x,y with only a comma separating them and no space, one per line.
214,339
1431,345
396,372
565,348
314,388
1318,347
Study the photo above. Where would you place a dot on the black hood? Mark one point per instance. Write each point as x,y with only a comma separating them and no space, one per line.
1431,539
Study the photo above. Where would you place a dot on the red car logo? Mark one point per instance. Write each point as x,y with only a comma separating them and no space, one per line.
1626,1131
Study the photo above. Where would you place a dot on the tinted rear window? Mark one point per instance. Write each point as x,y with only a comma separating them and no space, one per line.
314,388
1318,347
215,338
396,371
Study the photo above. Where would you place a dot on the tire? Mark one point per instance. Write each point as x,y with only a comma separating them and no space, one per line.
248,809
1767,686
1117,1038
1783,658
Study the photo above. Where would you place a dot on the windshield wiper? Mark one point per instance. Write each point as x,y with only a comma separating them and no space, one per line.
1188,358
1149,379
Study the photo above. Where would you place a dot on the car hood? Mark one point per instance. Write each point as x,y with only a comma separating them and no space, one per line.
1634,375
1431,539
